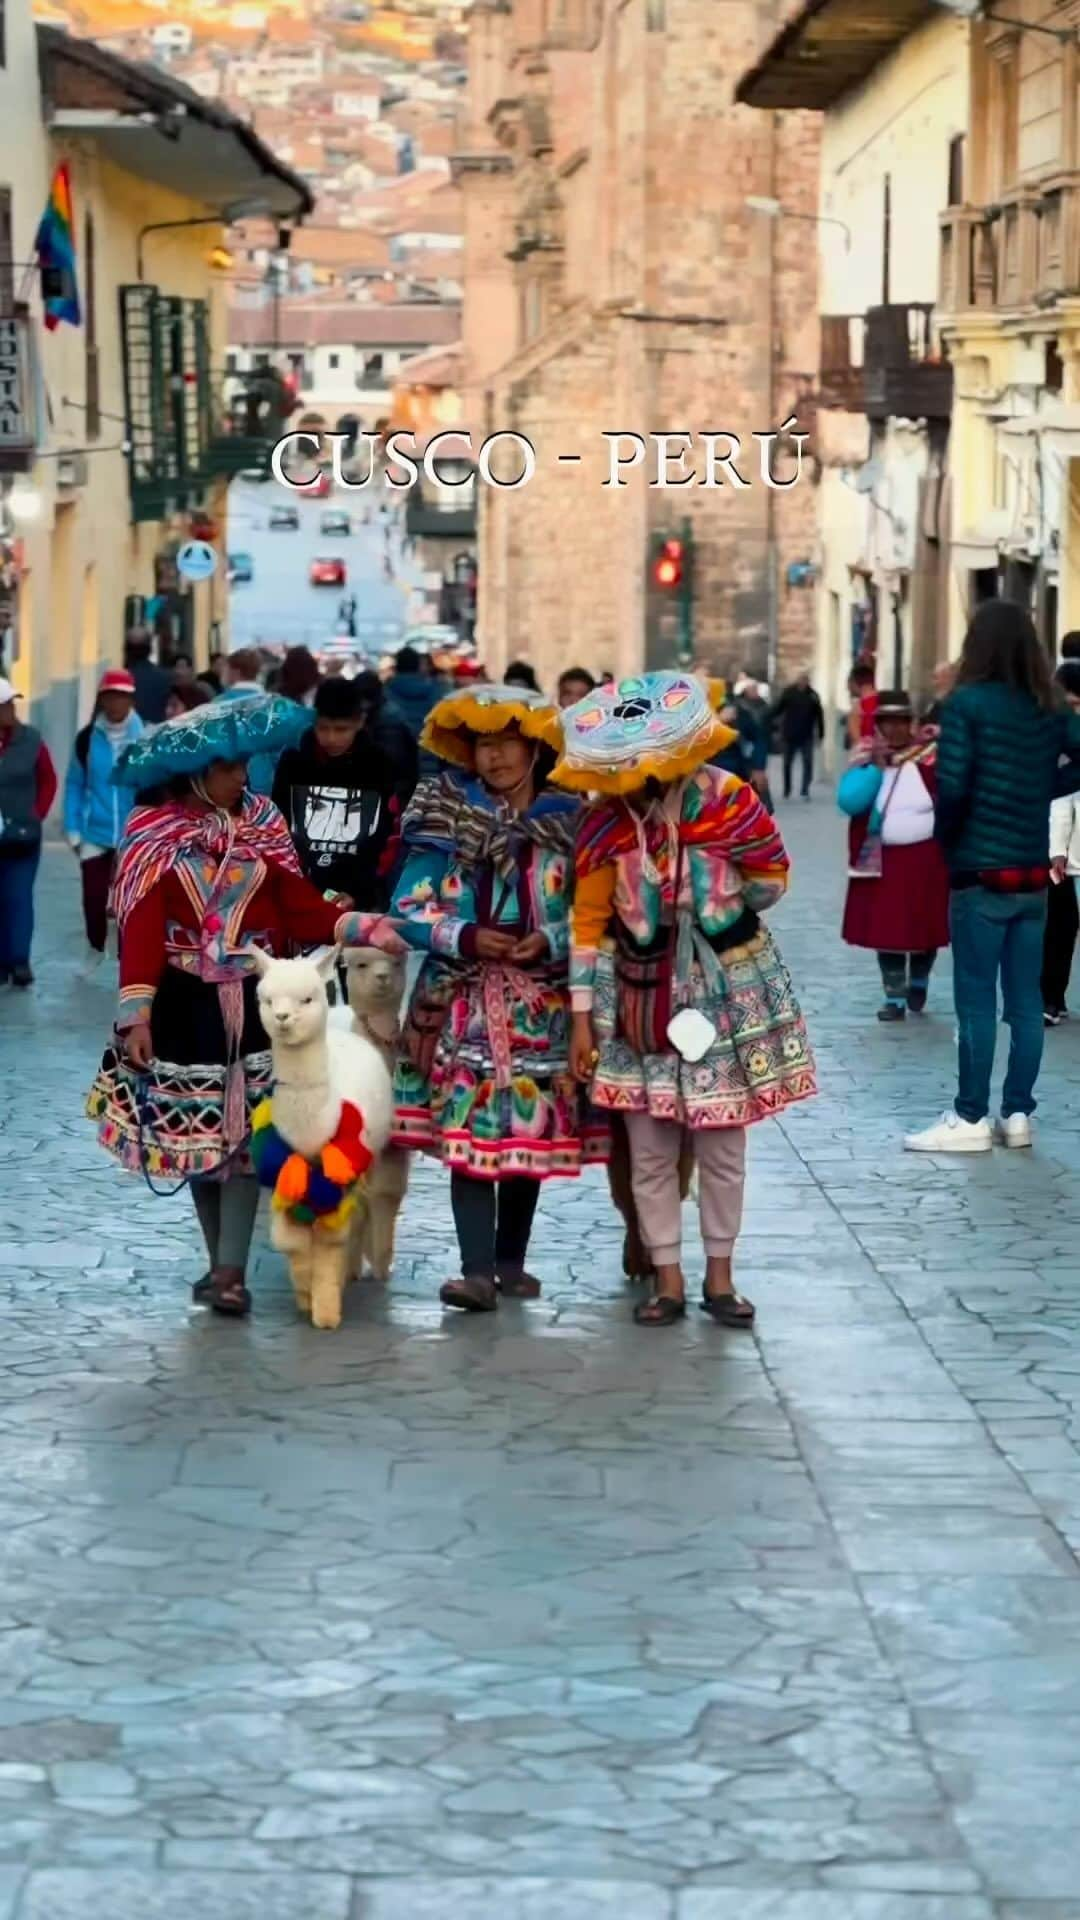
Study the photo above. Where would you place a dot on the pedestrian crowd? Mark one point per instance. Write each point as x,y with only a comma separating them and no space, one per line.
583,878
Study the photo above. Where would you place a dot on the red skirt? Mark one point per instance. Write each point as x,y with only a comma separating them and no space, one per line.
907,909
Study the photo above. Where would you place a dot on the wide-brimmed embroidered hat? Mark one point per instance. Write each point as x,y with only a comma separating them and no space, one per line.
228,729
451,728
657,726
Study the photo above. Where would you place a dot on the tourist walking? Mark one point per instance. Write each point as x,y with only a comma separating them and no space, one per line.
205,871
95,808
410,696
337,793
898,890
1062,918
27,790
1003,735
802,724
691,1026
152,683
484,1083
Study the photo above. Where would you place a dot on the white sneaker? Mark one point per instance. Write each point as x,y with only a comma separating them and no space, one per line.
950,1134
1013,1130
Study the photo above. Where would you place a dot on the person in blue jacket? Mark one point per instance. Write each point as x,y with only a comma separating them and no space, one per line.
94,809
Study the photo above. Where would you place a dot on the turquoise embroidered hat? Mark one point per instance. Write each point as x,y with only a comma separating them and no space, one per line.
655,726
229,729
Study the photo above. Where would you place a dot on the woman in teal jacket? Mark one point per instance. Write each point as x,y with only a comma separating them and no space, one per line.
95,810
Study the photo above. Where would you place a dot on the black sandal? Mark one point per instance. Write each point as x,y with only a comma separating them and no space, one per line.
660,1310
473,1293
728,1309
515,1284
228,1294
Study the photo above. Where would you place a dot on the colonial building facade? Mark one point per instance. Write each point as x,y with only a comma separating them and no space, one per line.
617,281
890,81
1010,299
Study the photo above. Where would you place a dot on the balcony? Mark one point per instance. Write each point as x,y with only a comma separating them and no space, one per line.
1023,252
840,387
906,376
449,515
181,435
252,423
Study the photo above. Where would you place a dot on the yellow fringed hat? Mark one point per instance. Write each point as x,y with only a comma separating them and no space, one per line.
657,726
451,727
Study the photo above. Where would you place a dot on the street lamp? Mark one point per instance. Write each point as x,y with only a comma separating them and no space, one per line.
975,10
760,203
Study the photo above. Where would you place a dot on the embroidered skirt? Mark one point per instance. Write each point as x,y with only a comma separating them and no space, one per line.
171,1121
759,1064
492,1096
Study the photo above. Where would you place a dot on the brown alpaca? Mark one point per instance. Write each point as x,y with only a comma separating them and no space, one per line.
637,1261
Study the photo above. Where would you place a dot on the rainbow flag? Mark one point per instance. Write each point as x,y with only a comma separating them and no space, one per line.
54,247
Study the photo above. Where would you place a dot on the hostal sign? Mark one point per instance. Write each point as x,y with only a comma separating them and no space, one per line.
17,436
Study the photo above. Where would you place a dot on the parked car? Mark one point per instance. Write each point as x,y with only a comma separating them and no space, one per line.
256,475
284,520
241,569
334,522
327,573
319,488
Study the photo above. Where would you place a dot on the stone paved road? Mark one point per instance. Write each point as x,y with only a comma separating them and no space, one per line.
542,1617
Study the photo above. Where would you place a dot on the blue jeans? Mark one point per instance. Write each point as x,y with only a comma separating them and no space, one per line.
18,871
996,933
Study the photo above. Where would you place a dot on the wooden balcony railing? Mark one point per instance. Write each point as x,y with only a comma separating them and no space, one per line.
1023,252
840,386
907,376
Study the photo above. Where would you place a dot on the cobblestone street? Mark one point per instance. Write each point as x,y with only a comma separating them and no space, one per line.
540,1616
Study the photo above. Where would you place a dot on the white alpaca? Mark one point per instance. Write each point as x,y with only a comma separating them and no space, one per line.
311,1080
376,987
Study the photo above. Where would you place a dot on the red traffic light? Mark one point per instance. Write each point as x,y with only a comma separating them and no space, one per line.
668,570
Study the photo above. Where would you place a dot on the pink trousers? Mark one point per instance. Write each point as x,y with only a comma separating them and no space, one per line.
720,1152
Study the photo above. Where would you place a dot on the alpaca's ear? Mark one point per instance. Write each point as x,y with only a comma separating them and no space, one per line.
329,963
263,961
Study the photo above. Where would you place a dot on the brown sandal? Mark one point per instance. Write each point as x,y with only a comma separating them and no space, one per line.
660,1310
728,1309
515,1284
228,1294
472,1293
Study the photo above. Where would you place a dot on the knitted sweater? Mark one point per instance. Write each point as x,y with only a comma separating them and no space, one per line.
998,770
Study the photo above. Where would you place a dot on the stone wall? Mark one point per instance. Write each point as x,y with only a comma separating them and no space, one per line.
659,304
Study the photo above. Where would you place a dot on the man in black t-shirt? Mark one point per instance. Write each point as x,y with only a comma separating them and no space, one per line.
337,792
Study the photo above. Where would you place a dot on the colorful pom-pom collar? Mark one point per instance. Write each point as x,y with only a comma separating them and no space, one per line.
655,726
450,729
320,1192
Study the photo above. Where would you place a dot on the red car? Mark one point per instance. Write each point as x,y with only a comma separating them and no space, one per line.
319,489
327,573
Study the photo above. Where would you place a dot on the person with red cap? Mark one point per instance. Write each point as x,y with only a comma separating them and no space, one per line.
94,808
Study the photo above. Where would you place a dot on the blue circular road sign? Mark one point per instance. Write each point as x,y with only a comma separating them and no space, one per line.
196,560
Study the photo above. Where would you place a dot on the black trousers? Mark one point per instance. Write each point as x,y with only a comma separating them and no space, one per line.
804,751
493,1220
1062,922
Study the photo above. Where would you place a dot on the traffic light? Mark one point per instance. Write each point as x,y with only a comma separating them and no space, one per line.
668,567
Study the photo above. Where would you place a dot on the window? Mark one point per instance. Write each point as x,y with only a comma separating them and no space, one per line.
956,171
92,398
886,238
230,361
1055,369
7,271
333,361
